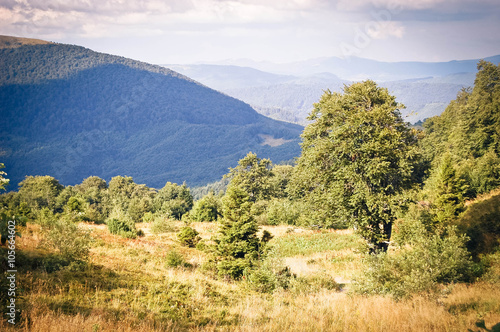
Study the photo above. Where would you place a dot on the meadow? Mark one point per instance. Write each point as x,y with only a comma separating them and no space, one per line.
152,283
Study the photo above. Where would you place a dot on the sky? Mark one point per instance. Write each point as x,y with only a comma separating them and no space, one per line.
197,31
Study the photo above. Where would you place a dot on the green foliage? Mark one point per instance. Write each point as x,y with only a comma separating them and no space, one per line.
469,129
40,192
481,223
131,198
447,192
94,191
283,212
426,261
270,274
173,200
237,247
124,228
162,224
188,237
70,241
175,259
207,208
252,175
3,181
358,157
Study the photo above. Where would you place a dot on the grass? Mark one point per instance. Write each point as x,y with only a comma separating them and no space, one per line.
128,285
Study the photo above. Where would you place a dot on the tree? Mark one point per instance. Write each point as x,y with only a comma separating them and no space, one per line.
447,191
40,191
206,209
252,175
358,157
237,247
173,200
469,129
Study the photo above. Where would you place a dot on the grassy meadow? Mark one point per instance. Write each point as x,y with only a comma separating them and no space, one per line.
152,283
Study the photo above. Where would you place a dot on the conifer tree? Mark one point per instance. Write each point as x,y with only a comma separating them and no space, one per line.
238,247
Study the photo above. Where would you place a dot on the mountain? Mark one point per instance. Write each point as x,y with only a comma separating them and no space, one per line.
291,98
355,69
287,91
70,112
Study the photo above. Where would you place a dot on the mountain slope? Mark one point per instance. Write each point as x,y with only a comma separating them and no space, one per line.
291,98
71,113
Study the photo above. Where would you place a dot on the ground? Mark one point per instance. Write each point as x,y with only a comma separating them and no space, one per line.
128,286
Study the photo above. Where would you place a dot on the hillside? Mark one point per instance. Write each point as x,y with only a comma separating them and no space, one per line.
290,98
70,112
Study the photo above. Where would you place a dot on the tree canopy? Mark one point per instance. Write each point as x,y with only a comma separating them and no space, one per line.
358,156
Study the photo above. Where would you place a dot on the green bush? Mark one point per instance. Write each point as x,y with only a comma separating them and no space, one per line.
175,259
162,225
188,237
122,228
70,241
282,212
427,261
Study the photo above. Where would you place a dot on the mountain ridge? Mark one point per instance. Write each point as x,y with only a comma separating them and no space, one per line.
71,113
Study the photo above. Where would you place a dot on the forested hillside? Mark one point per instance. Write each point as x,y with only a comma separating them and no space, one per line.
71,113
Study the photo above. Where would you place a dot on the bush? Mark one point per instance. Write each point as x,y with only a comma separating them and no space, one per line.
427,261
175,259
122,228
162,225
282,212
269,275
188,237
71,241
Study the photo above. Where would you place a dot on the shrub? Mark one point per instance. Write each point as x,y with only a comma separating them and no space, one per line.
270,274
71,241
162,225
175,259
282,212
122,228
188,237
427,261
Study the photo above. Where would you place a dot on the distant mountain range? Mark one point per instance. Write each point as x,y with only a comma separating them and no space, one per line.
70,112
287,91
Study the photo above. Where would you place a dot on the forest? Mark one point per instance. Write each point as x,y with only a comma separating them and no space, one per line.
375,226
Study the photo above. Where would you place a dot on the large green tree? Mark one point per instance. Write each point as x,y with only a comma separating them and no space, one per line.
358,157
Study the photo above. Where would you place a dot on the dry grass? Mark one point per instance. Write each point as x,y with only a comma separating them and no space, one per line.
128,287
